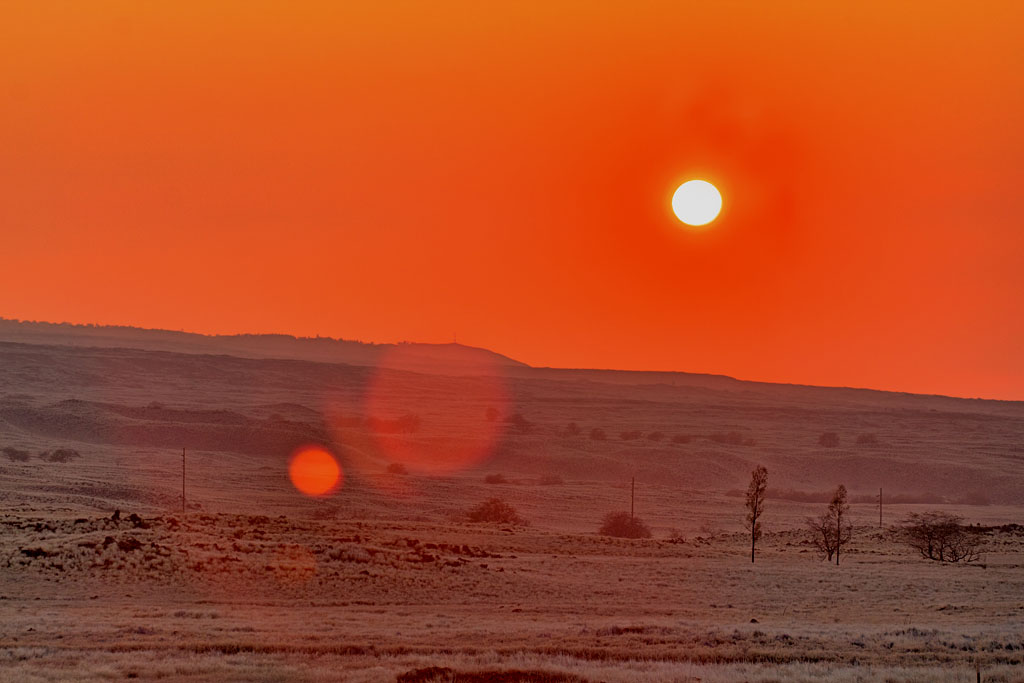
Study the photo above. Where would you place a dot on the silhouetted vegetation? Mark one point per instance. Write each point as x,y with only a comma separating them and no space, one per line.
755,504
16,454
630,435
495,479
598,434
681,438
830,531
622,525
867,440
828,440
572,429
397,468
551,480
656,436
941,536
495,510
60,455
519,423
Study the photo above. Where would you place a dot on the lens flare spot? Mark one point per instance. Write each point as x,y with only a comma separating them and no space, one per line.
314,471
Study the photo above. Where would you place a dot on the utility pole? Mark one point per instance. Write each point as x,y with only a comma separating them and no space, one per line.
632,495
183,481
879,507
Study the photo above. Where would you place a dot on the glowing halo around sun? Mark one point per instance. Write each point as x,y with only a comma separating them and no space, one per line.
314,471
696,202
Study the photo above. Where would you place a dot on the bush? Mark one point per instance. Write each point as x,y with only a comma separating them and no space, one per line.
495,479
495,510
16,455
519,423
867,440
551,480
656,436
397,468
622,525
59,455
940,536
681,438
828,440
598,434
629,436
572,429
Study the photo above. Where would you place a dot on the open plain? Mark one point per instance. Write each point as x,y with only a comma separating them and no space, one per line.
104,576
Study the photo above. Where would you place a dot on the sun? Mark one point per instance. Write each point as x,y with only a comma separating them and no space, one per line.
696,202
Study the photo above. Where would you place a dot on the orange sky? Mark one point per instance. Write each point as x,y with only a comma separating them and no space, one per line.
407,170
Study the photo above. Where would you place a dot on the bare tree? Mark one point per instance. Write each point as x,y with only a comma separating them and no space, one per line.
940,536
831,531
755,504
837,511
823,534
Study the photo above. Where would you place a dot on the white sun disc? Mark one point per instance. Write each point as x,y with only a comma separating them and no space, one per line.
696,202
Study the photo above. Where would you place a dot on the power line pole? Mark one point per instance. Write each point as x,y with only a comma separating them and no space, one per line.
880,507
632,495
183,481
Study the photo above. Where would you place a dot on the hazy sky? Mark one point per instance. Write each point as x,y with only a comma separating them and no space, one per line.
409,170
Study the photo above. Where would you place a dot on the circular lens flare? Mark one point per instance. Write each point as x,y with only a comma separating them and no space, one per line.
696,202
314,471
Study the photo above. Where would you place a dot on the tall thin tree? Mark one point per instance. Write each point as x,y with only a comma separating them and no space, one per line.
755,504
837,510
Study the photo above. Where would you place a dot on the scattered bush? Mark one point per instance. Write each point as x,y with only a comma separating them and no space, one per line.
867,440
656,436
681,438
397,468
676,536
598,434
622,525
828,440
495,510
519,423
16,455
572,429
940,536
630,435
59,455
551,480
495,479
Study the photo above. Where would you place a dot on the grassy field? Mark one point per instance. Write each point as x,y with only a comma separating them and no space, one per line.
384,580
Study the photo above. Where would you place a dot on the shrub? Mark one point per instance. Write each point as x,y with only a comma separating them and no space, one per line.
397,468
630,435
495,510
867,440
519,423
598,434
16,455
681,438
551,480
622,525
572,429
940,536
656,436
828,440
495,479
59,455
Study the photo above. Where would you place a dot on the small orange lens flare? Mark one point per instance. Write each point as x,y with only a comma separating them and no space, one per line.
314,471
